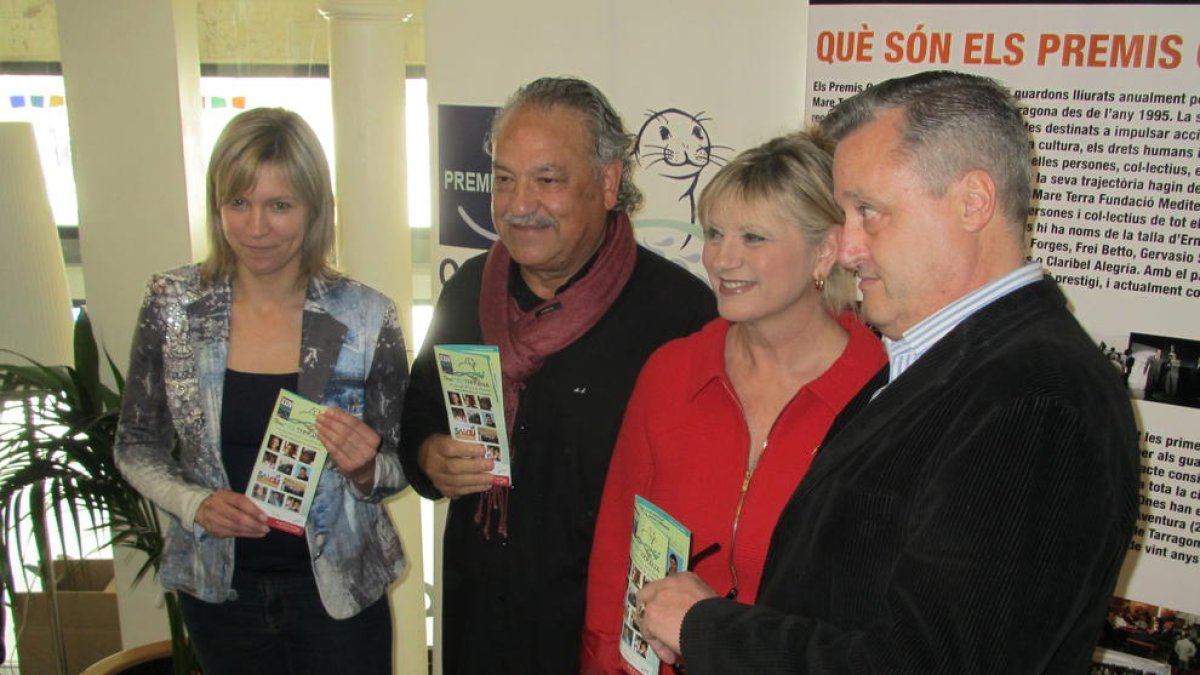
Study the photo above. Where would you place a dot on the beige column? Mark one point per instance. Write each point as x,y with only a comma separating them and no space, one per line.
132,78
366,65
367,71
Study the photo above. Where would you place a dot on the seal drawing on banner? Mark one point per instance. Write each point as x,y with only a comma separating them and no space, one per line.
676,144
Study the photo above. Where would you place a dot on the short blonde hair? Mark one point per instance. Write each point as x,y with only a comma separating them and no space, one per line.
795,174
281,138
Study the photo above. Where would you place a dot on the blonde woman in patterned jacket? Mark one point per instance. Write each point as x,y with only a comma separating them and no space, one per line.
215,343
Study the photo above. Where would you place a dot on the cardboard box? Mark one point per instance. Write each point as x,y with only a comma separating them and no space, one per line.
87,601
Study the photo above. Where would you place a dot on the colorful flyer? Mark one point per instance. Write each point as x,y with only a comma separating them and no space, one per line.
659,547
473,392
290,461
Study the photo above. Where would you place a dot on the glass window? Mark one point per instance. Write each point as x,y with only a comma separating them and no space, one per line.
39,99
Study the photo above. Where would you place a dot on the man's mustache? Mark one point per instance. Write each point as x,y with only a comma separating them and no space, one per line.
529,220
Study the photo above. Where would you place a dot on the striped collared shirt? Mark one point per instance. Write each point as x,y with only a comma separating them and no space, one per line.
917,340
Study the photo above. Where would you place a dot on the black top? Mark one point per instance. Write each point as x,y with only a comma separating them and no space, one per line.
515,604
245,411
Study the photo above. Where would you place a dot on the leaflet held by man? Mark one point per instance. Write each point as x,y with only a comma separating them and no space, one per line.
473,391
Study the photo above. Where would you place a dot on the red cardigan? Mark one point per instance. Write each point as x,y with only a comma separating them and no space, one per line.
683,445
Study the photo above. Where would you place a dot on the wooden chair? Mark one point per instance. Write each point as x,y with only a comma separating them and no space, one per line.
129,660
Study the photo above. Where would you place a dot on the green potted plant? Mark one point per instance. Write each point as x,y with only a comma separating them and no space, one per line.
57,466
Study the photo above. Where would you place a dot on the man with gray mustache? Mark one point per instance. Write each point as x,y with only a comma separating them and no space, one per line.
576,307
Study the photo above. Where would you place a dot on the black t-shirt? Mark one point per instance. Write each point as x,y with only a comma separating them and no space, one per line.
245,411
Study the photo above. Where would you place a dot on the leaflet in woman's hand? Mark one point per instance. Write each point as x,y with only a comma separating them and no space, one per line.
289,465
473,392
659,546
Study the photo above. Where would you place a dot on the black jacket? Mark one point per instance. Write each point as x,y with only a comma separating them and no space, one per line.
515,605
972,518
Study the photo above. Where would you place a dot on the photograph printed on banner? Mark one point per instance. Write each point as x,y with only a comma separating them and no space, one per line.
1141,637
1161,369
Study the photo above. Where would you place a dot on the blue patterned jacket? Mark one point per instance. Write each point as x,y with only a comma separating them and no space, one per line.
351,355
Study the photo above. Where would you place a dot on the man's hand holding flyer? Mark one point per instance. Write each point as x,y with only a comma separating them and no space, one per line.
473,391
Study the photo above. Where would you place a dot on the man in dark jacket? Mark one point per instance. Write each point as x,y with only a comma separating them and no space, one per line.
576,307
970,509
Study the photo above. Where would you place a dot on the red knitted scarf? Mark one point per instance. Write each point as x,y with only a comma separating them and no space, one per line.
527,338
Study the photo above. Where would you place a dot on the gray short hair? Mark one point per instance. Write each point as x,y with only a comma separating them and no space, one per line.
610,141
793,173
956,123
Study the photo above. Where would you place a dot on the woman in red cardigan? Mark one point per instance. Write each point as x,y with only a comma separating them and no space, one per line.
723,424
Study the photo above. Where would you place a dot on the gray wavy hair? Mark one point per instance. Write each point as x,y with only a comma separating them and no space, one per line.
610,141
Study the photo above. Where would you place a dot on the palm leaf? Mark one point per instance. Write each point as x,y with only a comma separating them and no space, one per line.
57,465
86,373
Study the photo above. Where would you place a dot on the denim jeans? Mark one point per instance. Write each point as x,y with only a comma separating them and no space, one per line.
278,625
